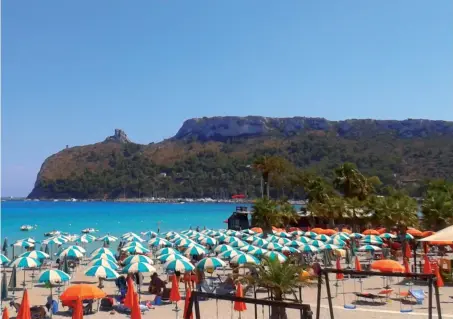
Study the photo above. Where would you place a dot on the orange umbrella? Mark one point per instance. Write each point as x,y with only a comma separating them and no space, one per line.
358,266
381,230
317,230
339,276
174,293
257,229
408,253
347,231
329,232
387,265
371,232
414,232
440,243
406,265
77,312
5,314
130,295
186,304
82,291
427,233
427,265
24,310
439,281
239,305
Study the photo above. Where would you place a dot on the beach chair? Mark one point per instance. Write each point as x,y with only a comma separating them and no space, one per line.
367,296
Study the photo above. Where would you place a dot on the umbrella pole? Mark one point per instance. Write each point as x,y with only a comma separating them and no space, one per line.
176,310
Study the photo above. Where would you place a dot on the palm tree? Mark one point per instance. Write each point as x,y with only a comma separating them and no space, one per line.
268,213
437,207
332,208
268,166
281,279
352,183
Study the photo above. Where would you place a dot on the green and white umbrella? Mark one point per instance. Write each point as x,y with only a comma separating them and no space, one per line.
356,235
136,250
310,234
227,255
260,242
250,239
130,234
387,236
195,251
283,241
85,239
101,272
372,240
165,251
409,237
244,259
25,262
238,244
134,244
159,242
317,243
329,247
210,263
209,241
105,263
222,248
305,240
289,249
221,238
81,249
104,256
180,242
149,233
294,243
54,240
23,244
108,238
170,234
230,239
249,231
308,249
342,236
283,234
272,246
103,250
248,248
168,257
258,251
3,259
297,233
369,248
322,237
138,267
138,259
35,254
179,265
71,253
336,241
53,276
275,255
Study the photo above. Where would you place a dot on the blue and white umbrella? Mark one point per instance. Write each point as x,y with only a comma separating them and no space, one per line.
138,259
248,248
210,263
180,242
3,259
371,248
105,263
249,231
329,247
168,257
230,239
317,243
221,238
250,239
159,242
275,255
130,234
342,236
104,256
53,276
138,267
71,253
103,250
195,251
272,246
310,234
297,233
372,240
322,237
227,255
25,262
85,239
289,249
102,272
170,234
108,238
283,234
165,251
136,250
179,265
356,235
283,241
81,249
387,236
35,254
149,233
23,244
134,244
209,241
272,238
222,248
336,241
258,251
245,259
238,244
295,243
308,249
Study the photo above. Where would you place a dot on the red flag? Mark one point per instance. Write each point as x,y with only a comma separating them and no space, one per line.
77,312
358,266
135,310
340,276
439,281
427,266
408,253
186,304
5,314
129,299
239,305
174,292
24,310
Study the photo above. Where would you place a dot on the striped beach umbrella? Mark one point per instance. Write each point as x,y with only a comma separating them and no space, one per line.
170,234
23,244
247,248
308,249
283,234
221,238
134,244
248,231
25,262
180,242
81,249
317,243
136,250
250,239
245,259
329,247
104,256
85,239
272,246
195,251
371,248
71,253
387,236
258,251
227,255
310,234
53,276
159,242
3,259
295,243
409,237
275,255
356,235
54,240
102,250
210,263
222,248
209,241
289,249
322,237
102,272
35,254
297,233
108,238
238,244
149,233
133,239
129,234
230,239
341,236
372,240
168,257
165,251
105,263
179,265
283,241
138,259
336,241
138,267
272,238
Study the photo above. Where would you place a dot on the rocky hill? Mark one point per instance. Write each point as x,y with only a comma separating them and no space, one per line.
212,156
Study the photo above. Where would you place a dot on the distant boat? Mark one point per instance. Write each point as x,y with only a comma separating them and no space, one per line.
53,233
88,230
26,227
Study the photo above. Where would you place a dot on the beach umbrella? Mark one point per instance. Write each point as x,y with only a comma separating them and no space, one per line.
210,263
310,234
427,269
297,233
250,239
294,243
179,265
258,251
387,236
25,262
3,259
272,246
165,251
159,242
387,265
329,247
275,255
308,249
195,251
409,237
24,310
183,241
138,259
358,266
104,256
272,238
239,305
149,233
283,234
82,291
371,232
230,239
53,276
102,250
54,240
369,248
136,250
170,234
356,235
244,259
341,236
372,240
317,243
322,237
227,255
283,241
4,291
337,242
186,305
23,244
209,241
133,244
101,272
108,238
247,248
290,250
222,248
238,244
35,254
81,249
71,253
138,267
248,231
129,234
88,237
169,257
5,314
77,311
105,263
221,238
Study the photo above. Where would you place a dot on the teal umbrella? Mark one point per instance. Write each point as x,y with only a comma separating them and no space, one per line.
3,260
4,291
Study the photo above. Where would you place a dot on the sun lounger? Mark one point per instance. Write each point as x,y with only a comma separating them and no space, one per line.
368,296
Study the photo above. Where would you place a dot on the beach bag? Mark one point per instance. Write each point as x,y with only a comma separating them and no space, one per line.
157,301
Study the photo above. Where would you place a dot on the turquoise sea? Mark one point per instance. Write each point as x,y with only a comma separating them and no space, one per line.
107,217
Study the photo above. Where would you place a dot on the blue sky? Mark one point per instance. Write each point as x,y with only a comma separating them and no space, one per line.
72,71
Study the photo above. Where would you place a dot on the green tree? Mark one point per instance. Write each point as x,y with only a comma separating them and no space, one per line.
437,206
269,166
331,208
352,183
268,213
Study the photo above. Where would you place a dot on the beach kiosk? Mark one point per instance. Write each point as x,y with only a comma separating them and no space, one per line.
239,220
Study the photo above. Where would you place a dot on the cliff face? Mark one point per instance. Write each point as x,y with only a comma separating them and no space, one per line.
211,156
